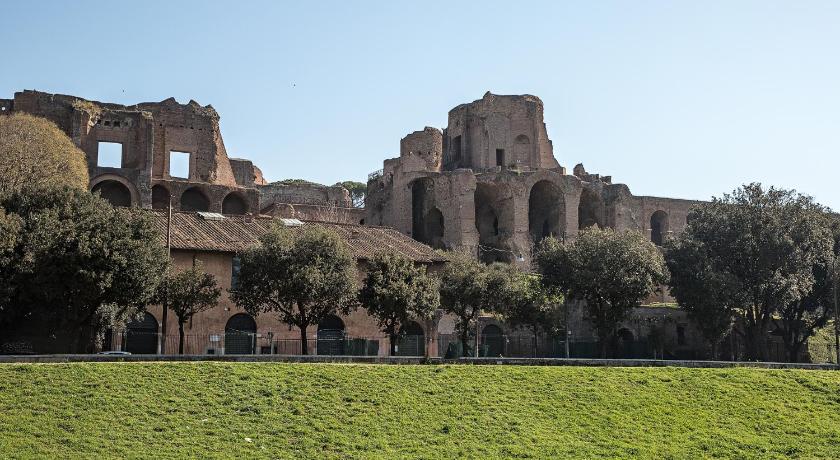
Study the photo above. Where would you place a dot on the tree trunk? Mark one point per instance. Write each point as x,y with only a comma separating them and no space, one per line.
393,339
304,349
180,337
465,347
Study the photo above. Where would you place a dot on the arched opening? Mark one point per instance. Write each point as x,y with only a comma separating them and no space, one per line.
141,335
114,192
658,227
412,341
194,199
494,222
331,336
160,197
240,335
427,222
590,209
522,149
546,214
234,204
492,341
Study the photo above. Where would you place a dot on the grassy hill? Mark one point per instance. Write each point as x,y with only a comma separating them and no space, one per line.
267,410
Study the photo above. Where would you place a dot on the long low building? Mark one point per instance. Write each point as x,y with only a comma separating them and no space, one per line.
214,240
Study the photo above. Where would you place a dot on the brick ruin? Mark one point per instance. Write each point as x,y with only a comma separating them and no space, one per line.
146,142
490,183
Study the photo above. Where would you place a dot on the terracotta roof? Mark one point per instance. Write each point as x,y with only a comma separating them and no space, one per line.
236,233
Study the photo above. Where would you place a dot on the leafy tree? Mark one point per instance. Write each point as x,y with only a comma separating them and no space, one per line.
395,291
468,287
531,305
357,191
611,271
9,233
187,293
303,275
78,265
35,152
764,249
709,297
800,320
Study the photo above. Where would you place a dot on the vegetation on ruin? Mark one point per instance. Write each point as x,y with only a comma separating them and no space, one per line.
77,266
35,152
755,260
295,182
226,410
612,271
396,291
357,191
303,275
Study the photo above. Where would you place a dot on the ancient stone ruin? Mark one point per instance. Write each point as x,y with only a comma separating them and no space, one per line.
157,154
489,183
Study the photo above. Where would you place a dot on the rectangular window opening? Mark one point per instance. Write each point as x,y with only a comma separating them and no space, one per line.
110,155
500,157
179,164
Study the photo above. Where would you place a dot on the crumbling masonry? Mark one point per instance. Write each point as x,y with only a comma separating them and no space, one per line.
489,183
148,137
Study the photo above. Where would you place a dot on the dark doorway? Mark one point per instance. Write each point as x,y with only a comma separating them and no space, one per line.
240,335
658,227
492,341
546,211
114,192
412,341
141,335
160,197
194,200
331,336
234,204
427,224
500,157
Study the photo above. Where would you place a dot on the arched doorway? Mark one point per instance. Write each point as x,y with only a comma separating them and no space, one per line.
494,222
546,211
234,204
427,223
412,341
194,199
590,210
331,336
492,341
658,227
114,192
240,335
160,197
141,335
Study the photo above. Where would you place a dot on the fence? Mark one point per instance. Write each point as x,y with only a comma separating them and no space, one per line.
448,346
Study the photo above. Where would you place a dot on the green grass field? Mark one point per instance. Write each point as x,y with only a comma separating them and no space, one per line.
266,410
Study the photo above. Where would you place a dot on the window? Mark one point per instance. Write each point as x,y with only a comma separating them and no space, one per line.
179,164
110,155
234,272
500,157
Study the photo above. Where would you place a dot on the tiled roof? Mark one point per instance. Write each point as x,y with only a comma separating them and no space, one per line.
236,233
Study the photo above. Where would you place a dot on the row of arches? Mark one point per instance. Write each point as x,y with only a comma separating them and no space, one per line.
192,199
240,337
494,216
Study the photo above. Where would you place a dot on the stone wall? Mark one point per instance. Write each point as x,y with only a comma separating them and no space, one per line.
147,133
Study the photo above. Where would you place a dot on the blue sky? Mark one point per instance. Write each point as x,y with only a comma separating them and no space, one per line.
673,98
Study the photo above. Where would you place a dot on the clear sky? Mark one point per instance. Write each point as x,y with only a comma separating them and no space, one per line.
674,98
